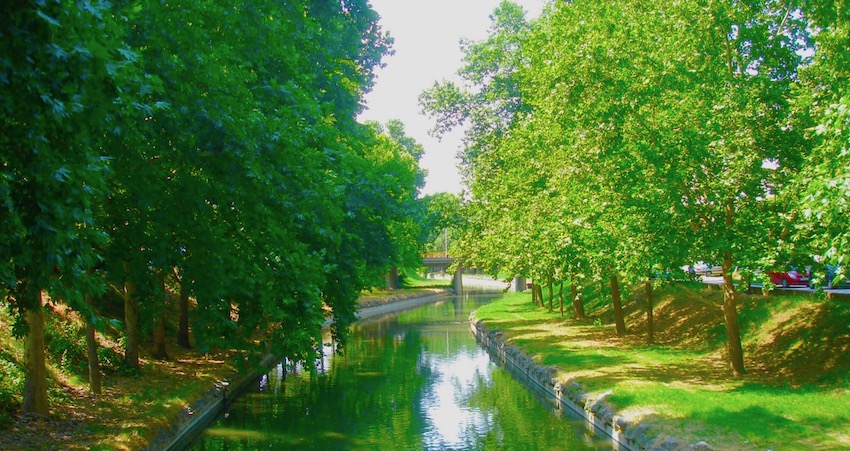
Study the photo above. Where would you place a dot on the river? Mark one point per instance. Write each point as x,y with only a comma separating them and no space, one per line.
416,380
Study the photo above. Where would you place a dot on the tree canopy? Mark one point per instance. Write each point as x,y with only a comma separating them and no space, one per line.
625,139
208,149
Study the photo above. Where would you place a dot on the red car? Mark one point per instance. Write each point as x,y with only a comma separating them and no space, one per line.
790,277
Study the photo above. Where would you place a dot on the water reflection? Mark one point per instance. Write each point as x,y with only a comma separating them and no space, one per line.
445,402
413,381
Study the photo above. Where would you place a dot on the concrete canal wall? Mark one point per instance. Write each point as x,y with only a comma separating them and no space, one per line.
203,412
598,414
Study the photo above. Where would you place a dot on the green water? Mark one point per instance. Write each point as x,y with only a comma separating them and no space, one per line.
415,381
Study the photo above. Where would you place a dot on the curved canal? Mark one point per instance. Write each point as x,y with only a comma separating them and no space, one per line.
409,381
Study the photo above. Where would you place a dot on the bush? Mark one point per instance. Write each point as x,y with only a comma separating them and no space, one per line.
110,361
11,387
66,345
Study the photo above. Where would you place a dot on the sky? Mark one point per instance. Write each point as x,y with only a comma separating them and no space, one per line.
427,36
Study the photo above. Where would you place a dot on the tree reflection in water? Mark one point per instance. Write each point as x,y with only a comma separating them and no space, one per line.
415,381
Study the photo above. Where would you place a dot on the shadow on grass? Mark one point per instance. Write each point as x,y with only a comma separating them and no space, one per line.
571,361
755,424
516,327
810,347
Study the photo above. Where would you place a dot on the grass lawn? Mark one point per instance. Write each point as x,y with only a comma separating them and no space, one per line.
412,285
797,352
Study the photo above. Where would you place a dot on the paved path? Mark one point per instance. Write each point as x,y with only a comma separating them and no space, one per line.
718,280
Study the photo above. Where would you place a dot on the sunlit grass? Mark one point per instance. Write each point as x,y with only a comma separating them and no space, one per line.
683,385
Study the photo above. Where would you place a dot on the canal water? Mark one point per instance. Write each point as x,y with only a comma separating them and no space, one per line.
416,380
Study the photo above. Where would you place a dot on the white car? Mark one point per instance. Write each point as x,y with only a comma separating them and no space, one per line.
706,269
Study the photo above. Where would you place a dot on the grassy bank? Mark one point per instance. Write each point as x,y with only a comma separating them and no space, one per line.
797,350
133,407
412,285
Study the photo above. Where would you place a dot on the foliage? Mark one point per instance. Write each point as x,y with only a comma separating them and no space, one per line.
442,220
614,141
69,80
65,343
822,106
148,146
11,387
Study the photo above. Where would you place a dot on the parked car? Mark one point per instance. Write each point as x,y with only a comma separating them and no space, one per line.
831,282
707,269
790,278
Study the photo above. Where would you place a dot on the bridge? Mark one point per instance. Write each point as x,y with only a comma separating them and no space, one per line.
439,262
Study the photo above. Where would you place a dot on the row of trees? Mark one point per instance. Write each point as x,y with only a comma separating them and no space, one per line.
612,141
155,152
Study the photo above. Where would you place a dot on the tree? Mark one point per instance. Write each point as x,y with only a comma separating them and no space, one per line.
738,98
68,81
442,220
635,132
214,144
822,106
488,103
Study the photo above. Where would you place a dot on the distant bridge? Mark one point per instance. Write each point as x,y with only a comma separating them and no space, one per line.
439,262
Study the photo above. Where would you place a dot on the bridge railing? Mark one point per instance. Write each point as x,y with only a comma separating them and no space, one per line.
438,254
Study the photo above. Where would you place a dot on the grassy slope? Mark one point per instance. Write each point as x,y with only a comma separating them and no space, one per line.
412,285
797,351
130,411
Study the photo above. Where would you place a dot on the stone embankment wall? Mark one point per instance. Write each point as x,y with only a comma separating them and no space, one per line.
202,412
597,413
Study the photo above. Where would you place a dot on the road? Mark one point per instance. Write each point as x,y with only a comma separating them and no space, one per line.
718,280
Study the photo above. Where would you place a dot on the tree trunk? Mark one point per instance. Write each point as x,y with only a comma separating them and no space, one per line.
534,294
183,326
94,363
159,350
619,321
35,384
730,304
131,322
551,294
650,323
561,298
392,279
538,289
730,314
578,306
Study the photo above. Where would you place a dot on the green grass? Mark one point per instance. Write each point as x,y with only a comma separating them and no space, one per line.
795,395
133,407
414,279
11,370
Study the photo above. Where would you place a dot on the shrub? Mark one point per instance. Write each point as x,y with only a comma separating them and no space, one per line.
66,345
11,387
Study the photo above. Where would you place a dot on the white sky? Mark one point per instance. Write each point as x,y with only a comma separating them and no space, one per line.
427,37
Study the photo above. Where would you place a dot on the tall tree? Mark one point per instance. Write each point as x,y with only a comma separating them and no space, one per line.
487,102
68,79
822,105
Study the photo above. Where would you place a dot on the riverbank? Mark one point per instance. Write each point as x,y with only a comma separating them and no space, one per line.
680,392
134,411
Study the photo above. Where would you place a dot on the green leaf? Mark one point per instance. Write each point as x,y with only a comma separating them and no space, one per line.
47,18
